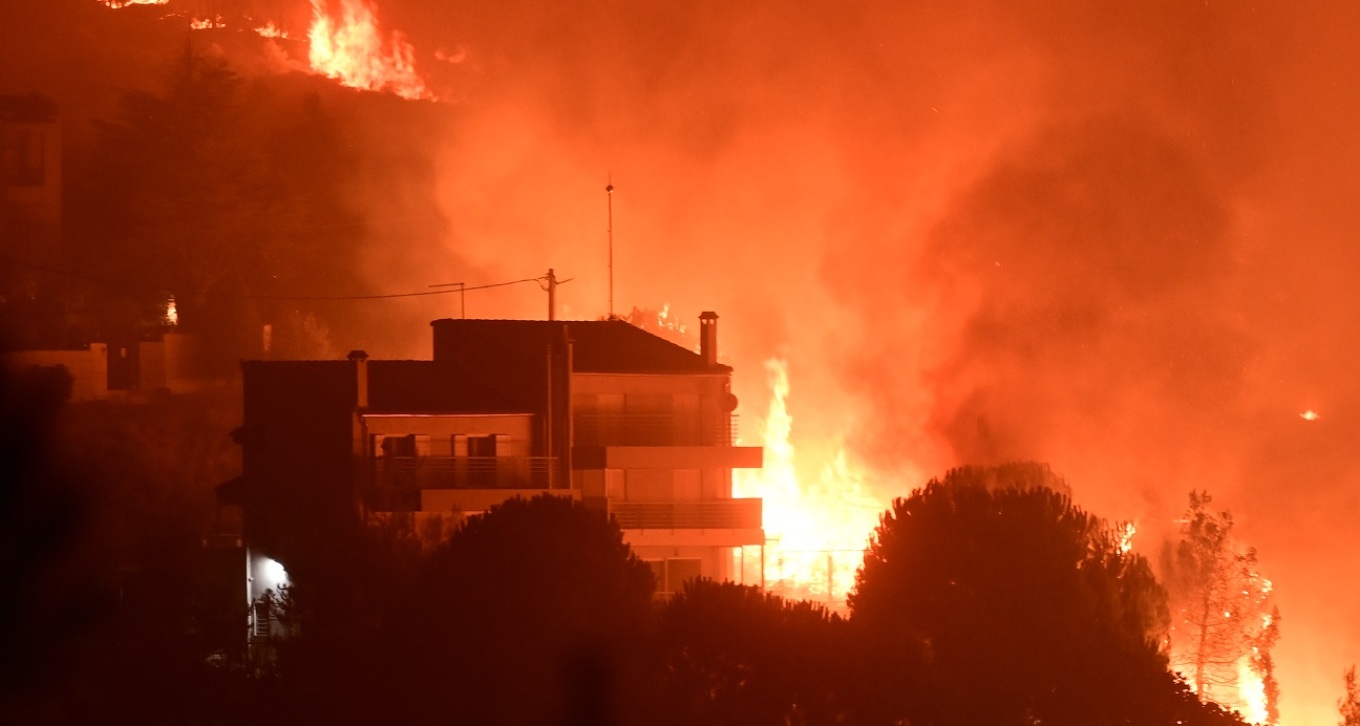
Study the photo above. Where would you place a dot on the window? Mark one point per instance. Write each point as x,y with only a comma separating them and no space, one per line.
671,574
21,157
482,464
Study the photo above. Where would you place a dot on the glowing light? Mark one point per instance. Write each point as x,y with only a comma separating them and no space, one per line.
353,51
1126,533
116,4
1309,415
273,572
816,529
206,23
665,321
171,312
1252,690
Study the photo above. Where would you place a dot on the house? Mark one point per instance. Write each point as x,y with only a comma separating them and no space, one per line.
30,166
600,411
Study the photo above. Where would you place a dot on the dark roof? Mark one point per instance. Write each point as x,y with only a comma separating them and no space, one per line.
598,346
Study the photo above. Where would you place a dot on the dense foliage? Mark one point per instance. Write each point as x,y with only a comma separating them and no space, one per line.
1023,607
986,597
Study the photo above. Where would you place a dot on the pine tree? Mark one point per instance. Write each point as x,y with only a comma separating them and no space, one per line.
1349,705
1223,622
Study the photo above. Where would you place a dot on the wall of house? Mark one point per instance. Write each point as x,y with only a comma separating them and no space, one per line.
446,434
709,387
672,565
30,171
89,368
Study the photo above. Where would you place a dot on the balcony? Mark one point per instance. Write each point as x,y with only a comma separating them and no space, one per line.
413,473
654,429
692,514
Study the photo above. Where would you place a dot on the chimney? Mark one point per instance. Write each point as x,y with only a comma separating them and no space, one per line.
360,359
708,337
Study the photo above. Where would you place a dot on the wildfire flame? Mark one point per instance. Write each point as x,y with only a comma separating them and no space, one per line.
353,51
665,320
1252,692
1126,533
816,529
1309,415
270,30
116,4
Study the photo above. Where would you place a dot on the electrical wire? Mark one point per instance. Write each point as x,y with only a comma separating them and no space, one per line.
387,296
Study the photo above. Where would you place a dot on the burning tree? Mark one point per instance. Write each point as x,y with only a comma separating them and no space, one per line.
1224,624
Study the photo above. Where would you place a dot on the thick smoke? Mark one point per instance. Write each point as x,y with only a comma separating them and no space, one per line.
1111,236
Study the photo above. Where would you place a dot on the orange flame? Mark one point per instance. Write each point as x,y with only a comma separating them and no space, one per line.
116,4
1251,690
354,52
816,528
1126,532
270,30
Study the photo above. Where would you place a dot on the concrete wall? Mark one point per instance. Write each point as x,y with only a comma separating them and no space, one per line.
89,368
513,430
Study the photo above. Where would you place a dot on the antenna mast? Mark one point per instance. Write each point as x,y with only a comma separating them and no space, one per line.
609,192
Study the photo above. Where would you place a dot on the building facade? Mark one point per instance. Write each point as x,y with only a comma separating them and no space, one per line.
603,412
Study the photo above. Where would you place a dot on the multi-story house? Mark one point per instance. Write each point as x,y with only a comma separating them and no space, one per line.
601,411
30,168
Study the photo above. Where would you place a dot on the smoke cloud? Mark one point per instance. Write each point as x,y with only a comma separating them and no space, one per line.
1110,236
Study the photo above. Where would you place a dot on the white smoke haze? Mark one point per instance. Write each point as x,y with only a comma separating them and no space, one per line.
1112,237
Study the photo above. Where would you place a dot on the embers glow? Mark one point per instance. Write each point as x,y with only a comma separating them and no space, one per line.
1126,533
207,23
1251,689
816,529
665,320
1309,415
353,51
171,316
115,4
270,30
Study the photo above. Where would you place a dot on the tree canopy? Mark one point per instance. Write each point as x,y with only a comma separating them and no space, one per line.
216,191
1021,606
733,654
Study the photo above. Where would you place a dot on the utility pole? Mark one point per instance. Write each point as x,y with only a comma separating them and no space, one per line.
552,295
609,192
550,284
462,296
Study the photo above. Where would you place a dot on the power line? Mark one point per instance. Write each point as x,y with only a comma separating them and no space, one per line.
385,297
388,296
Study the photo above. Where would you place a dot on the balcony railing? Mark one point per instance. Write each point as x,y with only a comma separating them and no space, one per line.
413,473
693,514
654,429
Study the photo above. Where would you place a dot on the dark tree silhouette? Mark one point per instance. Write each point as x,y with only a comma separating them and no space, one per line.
1349,705
732,654
1023,607
534,606
528,614
220,192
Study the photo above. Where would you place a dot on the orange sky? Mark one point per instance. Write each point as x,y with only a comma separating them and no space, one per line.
1111,236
